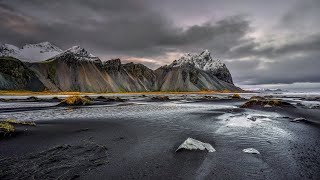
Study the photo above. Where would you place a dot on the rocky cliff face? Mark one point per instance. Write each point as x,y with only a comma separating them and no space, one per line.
77,70
195,73
204,62
16,75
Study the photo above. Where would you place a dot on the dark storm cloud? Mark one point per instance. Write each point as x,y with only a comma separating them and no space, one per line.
307,44
304,16
293,57
304,68
126,27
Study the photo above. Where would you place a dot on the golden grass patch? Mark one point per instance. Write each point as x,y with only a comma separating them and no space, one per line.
6,127
75,101
13,121
236,96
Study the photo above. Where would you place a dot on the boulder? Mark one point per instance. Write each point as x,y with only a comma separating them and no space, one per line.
301,119
251,151
193,144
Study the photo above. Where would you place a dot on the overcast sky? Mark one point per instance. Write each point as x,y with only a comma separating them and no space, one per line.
262,42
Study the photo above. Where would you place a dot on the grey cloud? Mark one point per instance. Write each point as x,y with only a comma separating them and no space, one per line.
306,44
286,69
123,27
303,17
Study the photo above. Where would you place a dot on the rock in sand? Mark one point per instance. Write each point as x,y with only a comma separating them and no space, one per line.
299,120
251,151
193,144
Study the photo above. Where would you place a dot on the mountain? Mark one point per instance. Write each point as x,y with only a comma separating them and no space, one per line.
14,74
30,52
195,73
76,69
204,62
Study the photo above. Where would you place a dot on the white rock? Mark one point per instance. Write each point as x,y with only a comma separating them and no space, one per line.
251,151
193,144
299,119
267,106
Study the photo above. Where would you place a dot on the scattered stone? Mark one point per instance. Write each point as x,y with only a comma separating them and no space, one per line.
101,98
55,99
258,98
83,130
160,98
252,118
209,98
32,98
270,102
299,120
251,151
315,107
268,96
311,98
88,97
236,96
193,144
110,99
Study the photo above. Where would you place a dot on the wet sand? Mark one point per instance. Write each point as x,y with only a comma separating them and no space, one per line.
137,139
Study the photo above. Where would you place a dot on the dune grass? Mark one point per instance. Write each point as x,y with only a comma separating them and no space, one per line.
263,102
13,121
75,101
6,127
236,96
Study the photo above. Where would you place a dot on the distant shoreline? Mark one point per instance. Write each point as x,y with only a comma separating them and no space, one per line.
24,93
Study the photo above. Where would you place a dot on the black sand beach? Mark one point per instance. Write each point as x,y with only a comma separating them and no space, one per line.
137,139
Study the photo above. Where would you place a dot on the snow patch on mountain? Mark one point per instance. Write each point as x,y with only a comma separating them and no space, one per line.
204,61
30,52
78,53
201,61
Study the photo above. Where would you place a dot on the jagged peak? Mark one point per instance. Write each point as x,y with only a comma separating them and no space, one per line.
9,46
79,53
43,47
202,61
205,53
116,61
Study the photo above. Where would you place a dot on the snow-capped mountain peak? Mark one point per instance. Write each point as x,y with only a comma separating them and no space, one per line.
44,46
78,53
204,61
30,52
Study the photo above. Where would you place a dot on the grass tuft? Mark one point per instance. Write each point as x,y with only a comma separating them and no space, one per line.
75,101
6,127
236,96
13,121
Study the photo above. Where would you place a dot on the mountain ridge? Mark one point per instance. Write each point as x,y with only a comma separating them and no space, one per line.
75,69
30,52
